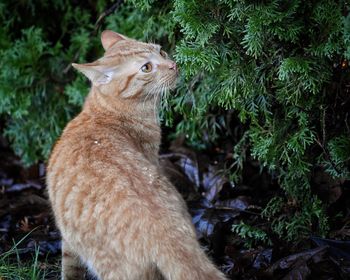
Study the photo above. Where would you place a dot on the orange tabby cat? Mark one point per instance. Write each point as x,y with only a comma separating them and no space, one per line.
117,213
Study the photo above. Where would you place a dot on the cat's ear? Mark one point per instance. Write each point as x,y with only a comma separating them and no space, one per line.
109,38
96,73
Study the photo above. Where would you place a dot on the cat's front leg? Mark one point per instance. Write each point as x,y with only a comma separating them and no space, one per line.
72,268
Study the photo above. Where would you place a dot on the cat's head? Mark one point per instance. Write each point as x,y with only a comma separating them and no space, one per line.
129,68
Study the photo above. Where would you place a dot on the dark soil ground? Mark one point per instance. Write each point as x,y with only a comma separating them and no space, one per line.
215,203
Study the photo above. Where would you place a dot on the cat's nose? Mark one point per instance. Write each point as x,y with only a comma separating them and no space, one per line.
172,65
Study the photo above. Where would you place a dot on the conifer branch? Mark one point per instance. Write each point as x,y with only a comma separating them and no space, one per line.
93,33
328,156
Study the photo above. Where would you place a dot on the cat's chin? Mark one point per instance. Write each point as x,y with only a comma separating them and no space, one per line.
172,85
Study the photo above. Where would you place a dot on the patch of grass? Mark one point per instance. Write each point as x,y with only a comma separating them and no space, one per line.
12,267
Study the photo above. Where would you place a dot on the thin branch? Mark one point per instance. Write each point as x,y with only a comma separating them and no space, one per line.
106,13
323,125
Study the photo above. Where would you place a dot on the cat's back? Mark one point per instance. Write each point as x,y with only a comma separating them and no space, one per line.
86,140
91,171
96,152
89,151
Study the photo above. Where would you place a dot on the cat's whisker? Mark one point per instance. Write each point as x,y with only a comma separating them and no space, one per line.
148,95
155,105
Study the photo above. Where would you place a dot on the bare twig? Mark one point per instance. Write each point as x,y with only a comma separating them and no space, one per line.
323,124
346,121
106,13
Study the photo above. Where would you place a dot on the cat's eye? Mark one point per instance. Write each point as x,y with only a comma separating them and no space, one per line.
163,54
147,67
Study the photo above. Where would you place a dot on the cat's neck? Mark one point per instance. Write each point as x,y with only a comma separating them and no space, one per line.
98,102
139,118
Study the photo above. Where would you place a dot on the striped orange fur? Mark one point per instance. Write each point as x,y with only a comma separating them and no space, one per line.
116,211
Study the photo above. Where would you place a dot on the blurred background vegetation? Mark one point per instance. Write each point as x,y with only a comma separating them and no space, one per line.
270,77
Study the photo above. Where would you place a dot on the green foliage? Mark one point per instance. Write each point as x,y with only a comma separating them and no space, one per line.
251,236
289,224
39,91
25,94
33,101
278,66
339,156
274,207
